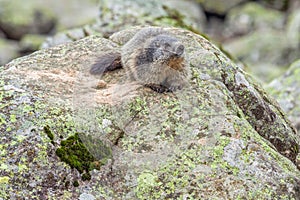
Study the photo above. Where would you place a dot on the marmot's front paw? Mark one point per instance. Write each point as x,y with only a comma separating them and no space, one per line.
173,88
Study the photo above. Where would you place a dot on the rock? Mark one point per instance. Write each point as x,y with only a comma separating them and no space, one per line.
31,42
266,52
285,89
128,13
17,19
266,45
85,196
69,36
293,29
2,35
218,6
72,13
221,137
276,4
119,14
252,16
8,50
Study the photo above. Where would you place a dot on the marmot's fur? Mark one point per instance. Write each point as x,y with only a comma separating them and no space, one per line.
152,57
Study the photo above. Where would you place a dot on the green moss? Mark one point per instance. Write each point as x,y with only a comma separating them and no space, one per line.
86,176
74,152
75,183
49,133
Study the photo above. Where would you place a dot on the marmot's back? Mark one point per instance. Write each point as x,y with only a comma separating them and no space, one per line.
139,40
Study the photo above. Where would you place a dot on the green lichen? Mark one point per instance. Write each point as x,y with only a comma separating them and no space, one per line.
217,153
248,133
74,152
138,106
165,182
147,184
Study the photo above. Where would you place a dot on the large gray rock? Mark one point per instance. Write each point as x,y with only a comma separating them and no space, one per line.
9,50
18,19
293,29
221,137
285,90
267,42
266,52
116,15
252,16
219,7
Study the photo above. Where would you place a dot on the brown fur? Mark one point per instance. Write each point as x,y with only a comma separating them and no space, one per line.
176,63
159,67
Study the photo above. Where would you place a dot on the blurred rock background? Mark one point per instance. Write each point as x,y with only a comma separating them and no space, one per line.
263,35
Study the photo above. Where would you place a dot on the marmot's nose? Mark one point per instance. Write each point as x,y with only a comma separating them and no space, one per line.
179,50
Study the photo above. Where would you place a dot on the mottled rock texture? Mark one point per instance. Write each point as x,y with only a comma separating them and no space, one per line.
221,137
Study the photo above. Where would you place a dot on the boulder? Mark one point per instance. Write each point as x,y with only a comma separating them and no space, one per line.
219,7
119,14
266,52
18,19
9,50
220,137
285,89
252,16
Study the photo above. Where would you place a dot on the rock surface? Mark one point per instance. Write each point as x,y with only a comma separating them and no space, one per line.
17,19
265,52
219,138
285,89
218,6
252,16
119,14
21,20
8,50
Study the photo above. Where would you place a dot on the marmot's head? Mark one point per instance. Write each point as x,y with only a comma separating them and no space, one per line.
164,47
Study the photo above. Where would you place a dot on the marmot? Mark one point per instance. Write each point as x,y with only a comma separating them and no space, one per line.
153,57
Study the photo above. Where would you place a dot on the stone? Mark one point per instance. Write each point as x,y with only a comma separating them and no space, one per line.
18,19
285,89
220,137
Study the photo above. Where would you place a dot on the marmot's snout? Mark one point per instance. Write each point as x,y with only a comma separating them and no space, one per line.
179,50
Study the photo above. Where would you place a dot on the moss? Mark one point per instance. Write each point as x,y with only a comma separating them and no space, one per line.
75,183
49,133
86,176
74,152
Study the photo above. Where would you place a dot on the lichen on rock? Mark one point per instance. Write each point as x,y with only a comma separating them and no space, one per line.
206,141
